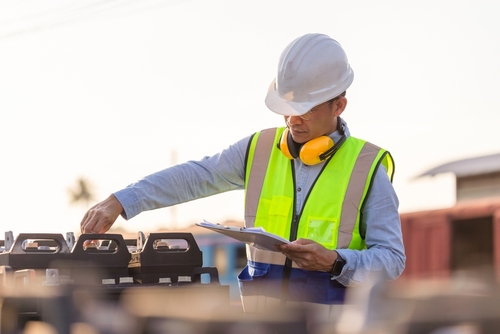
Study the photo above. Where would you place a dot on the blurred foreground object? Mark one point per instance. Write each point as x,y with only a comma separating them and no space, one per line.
103,283
467,303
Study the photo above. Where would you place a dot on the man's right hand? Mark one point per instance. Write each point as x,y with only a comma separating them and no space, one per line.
101,216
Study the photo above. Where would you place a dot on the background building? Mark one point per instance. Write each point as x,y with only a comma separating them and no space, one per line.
465,236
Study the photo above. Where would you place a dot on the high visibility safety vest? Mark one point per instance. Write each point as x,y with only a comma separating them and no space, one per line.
330,216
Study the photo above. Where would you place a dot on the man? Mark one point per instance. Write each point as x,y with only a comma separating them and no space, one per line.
310,182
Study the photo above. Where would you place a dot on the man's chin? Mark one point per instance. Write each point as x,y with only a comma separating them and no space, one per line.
299,139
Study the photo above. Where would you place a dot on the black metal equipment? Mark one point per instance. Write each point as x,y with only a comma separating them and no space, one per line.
42,269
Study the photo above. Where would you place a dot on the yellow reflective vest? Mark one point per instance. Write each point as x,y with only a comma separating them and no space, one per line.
331,216
331,212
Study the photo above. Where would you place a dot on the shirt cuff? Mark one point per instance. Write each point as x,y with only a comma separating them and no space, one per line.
348,269
129,201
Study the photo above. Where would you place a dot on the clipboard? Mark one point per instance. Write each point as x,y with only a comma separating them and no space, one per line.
254,236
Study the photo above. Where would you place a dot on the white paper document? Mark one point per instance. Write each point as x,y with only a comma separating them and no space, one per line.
254,236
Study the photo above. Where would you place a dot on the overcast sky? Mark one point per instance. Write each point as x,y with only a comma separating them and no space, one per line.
115,90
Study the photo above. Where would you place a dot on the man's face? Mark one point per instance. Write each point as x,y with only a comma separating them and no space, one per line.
322,121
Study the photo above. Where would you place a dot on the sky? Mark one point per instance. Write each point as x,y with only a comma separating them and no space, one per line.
115,90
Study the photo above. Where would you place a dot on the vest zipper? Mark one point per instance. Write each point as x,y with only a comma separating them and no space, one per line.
288,262
287,268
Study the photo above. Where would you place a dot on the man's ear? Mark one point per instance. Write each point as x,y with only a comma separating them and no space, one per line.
339,105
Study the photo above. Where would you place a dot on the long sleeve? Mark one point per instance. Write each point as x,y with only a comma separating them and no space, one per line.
185,182
384,257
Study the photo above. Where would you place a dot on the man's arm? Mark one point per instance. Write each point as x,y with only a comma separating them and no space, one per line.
219,173
384,257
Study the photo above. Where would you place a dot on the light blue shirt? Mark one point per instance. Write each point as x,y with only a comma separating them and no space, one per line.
384,257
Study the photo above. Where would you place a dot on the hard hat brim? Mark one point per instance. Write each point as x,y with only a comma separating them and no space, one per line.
286,107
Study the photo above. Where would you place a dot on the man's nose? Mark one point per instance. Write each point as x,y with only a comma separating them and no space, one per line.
294,120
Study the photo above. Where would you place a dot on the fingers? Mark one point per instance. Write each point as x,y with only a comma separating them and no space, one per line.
303,241
308,255
101,216
90,222
106,225
97,222
90,244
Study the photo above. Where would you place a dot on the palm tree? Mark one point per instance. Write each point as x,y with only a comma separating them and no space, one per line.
82,192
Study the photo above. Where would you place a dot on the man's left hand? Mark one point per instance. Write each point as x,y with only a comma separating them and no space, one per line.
309,255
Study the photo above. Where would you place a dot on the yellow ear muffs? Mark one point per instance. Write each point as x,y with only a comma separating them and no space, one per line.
310,153
288,150
316,150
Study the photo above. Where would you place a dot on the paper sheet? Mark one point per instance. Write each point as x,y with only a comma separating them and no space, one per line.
256,236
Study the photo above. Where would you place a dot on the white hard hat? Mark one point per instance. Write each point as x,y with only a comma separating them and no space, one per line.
312,69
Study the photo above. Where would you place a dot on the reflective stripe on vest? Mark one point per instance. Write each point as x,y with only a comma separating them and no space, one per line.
259,155
353,169
363,167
